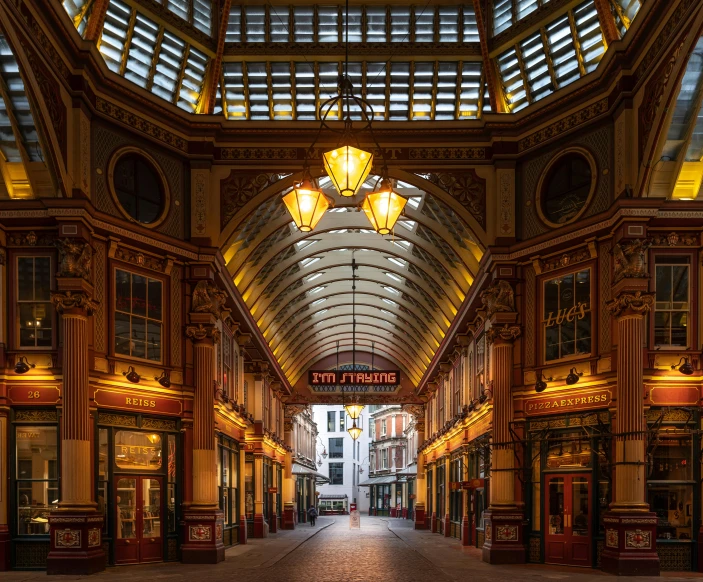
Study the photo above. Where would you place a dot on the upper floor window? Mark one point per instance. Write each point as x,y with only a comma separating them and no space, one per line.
330,420
34,302
138,316
384,458
336,448
336,473
341,420
671,310
567,316
383,427
138,188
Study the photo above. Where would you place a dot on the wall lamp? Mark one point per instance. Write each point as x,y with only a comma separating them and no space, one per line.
164,379
484,394
686,368
131,375
541,384
573,376
22,366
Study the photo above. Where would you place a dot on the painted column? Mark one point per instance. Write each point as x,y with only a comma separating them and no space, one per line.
75,526
242,496
504,519
447,496
630,527
288,493
465,496
418,411
260,525
203,523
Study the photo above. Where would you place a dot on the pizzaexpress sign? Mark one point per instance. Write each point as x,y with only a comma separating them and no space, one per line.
557,403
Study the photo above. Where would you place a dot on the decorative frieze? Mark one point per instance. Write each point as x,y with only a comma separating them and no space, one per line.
566,259
638,539
140,259
506,533
67,538
674,239
199,533
31,239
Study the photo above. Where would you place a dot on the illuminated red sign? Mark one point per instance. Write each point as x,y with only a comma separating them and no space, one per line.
34,394
342,378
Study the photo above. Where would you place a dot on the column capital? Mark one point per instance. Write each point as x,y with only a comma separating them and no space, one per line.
77,301
631,303
199,332
506,334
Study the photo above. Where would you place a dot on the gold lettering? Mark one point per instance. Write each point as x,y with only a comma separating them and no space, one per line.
590,399
128,400
582,312
550,322
560,316
152,403
571,314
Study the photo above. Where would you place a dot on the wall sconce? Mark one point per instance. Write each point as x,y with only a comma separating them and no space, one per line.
22,366
573,376
686,368
541,384
164,379
131,375
484,394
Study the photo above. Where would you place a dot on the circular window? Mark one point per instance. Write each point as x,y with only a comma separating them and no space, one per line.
138,186
566,187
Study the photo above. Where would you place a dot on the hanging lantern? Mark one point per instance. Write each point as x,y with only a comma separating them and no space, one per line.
354,409
347,167
383,207
306,205
354,431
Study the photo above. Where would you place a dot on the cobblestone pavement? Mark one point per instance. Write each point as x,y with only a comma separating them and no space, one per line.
383,550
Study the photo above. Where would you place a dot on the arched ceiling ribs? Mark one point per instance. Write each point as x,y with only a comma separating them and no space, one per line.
316,352
335,318
310,294
278,295
363,331
384,346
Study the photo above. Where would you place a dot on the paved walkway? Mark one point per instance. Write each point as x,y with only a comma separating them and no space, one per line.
383,550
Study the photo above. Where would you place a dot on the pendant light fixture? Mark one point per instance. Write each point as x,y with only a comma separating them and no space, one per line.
348,164
354,408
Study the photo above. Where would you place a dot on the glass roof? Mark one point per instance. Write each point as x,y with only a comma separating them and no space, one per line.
413,63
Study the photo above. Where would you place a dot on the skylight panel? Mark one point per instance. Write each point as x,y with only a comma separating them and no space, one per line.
502,15
339,231
386,312
316,290
407,224
178,7
257,80
234,25
470,91
305,108
366,231
448,24
423,83
397,261
302,244
511,77
234,101
141,51
590,35
312,278
321,312
391,290
403,244
354,26
309,261
281,91
202,15
304,19
318,301
414,202
79,12
389,301
563,52
279,17
256,21
424,24
394,277
376,88
328,78
536,66
114,34
526,7
376,24
470,33
336,210
328,24
625,12
192,78
400,91
400,24
446,91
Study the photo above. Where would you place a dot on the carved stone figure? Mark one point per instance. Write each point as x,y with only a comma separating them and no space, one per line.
499,297
75,258
208,298
629,259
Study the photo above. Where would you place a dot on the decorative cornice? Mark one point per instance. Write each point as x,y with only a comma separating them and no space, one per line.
637,302
507,333
200,332
63,300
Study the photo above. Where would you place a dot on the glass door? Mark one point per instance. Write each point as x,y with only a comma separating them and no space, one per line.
568,529
139,535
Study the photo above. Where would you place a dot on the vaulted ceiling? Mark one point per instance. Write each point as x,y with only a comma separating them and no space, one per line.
409,284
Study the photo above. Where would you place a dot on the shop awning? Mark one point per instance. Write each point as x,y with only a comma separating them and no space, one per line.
330,497
378,481
409,472
299,469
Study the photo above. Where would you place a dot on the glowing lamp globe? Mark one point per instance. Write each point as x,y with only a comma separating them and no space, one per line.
354,410
306,205
354,431
383,207
347,167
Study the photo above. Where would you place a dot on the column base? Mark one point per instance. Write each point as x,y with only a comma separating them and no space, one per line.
393,512
5,546
505,536
273,524
260,526
447,526
243,530
630,544
76,543
465,535
288,516
433,527
420,522
202,531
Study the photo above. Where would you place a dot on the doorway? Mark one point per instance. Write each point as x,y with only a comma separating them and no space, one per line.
568,508
138,523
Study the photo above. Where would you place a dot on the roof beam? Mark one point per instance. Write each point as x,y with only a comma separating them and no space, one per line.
495,93
206,103
96,21
607,22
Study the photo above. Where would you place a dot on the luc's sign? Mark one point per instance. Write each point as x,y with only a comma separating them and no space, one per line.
342,378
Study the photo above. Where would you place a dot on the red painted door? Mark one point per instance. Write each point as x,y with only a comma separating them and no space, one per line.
138,535
568,507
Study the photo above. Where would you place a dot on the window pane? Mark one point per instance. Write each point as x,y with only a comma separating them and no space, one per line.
122,334
137,450
123,293
42,278
138,337
35,499
138,295
25,278
663,294
153,341
36,452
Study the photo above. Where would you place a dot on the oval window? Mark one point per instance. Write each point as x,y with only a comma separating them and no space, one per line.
566,188
138,188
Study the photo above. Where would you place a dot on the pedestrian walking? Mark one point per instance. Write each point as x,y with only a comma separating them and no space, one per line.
312,514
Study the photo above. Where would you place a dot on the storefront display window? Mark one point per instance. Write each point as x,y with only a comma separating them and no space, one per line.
138,450
456,496
37,478
569,450
536,485
673,505
228,480
440,491
249,487
567,316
